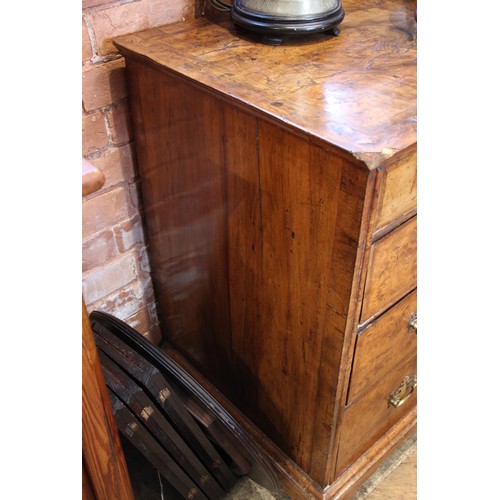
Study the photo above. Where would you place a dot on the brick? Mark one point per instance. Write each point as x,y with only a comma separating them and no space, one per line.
120,123
134,196
117,164
94,136
103,281
147,289
154,333
140,321
105,210
128,234
86,47
87,4
153,313
144,261
98,250
137,16
125,302
103,84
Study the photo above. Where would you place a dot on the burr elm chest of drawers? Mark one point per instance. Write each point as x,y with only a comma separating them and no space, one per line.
279,189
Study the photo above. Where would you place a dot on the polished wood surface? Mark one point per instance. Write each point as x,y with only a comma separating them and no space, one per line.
371,416
396,191
392,270
296,483
382,345
242,273
291,330
363,81
277,187
87,491
347,484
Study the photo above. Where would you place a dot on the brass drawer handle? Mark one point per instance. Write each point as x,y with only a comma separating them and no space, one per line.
403,392
412,323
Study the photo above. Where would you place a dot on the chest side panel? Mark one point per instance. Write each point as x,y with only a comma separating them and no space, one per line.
311,205
253,235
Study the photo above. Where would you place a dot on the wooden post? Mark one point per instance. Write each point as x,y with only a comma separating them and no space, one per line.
104,470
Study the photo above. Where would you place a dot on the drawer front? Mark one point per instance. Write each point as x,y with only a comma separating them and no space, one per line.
396,190
392,269
369,418
387,342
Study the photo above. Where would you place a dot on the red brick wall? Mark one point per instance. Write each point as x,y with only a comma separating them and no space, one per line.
116,276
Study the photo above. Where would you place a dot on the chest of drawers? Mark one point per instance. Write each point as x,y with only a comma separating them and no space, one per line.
279,192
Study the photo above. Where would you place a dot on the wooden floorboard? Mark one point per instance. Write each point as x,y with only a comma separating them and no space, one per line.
396,477
401,483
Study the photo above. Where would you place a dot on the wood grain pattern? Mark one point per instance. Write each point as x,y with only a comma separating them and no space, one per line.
293,272
366,420
394,460
260,167
87,491
347,484
253,253
364,81
102,452
383,345
396,191
298,484
392,271
180,152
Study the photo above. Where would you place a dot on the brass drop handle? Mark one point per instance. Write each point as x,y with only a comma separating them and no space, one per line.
403,392
412,323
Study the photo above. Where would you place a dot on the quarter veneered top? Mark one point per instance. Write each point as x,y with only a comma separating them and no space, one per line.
356,91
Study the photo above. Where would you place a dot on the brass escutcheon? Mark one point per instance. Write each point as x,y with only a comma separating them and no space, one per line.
412,323
403,392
